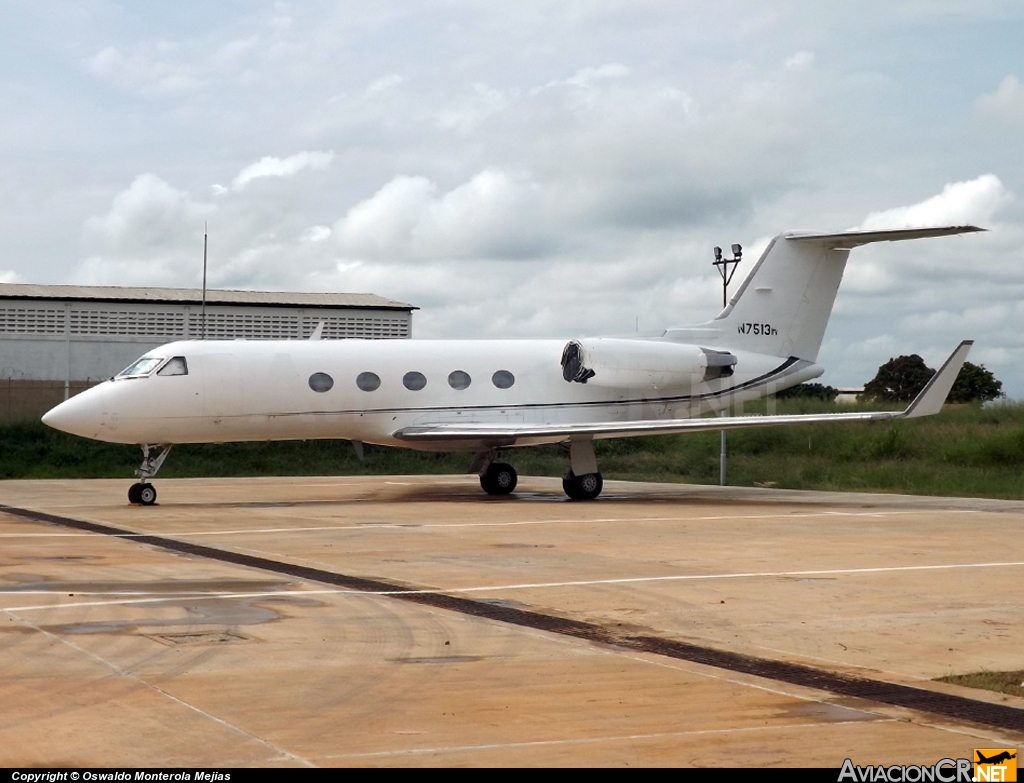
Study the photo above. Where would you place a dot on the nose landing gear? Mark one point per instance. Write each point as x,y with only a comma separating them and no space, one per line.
143,493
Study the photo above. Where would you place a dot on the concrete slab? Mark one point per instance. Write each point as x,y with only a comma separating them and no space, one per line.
115,652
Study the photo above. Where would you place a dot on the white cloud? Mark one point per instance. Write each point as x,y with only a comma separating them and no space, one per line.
315,234
10,277
585,77
1006,103
146,72
281,167
799,61
235,50
384,84
145,215
470,112
383,224
151,232
974,201
494,215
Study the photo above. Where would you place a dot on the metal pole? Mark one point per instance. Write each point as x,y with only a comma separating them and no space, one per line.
721,463
202,328
722,264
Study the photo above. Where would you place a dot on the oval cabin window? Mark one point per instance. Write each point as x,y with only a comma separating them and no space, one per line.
368,381
503,379
459,380
414,381
321,382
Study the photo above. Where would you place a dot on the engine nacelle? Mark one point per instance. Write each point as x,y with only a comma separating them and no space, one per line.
642,364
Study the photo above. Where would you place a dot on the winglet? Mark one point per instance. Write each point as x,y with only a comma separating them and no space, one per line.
929,401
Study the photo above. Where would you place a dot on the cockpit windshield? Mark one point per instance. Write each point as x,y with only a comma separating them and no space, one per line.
143,366
175,366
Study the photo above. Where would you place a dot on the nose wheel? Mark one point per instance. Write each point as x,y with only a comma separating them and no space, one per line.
142,494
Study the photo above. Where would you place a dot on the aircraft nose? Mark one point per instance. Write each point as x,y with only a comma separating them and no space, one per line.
77,416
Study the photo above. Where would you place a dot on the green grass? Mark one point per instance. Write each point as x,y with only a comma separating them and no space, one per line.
966,450
1001,682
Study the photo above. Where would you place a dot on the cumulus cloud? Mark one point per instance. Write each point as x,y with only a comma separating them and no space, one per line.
468,113
493,215
150,231
148,214
1006,103
799,61
585,77
148,72
281,167
315,234
384,84
974,201
10,277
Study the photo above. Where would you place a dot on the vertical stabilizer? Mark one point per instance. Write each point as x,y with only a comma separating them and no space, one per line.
783,306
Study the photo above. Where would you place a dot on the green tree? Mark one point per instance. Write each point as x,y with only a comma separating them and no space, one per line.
975,383
898,380
813,391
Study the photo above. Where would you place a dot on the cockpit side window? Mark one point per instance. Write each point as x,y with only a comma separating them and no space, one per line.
174,366
143,366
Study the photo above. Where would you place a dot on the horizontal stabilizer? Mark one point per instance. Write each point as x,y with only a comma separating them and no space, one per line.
850,239
927,403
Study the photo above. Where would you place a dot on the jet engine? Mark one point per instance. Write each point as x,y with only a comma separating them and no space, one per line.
642,364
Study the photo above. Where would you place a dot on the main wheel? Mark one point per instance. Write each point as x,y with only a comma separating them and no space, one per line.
500,479
585,487
147,494
133,493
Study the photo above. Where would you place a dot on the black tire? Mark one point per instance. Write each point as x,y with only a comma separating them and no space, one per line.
585,487
133,493
147,494
500,479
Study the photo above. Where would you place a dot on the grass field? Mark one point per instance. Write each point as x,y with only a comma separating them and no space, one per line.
966,450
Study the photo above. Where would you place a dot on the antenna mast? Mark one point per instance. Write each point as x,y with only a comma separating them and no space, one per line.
202,328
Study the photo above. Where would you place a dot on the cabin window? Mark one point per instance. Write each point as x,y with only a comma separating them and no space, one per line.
143,366
414,381
175,366
503,379
321,382
459,380
368,381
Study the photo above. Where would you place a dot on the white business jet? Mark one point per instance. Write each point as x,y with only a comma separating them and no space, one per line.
486,396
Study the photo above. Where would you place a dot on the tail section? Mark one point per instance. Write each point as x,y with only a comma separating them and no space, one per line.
783,306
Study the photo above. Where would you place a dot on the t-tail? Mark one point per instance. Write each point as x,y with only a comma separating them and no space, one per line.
783,305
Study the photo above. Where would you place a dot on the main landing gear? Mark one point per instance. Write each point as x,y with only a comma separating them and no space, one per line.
582,481
499,478
143,493
585,487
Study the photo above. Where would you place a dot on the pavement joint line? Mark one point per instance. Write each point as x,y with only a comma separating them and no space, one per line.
122,672
910,697
399,526
403,591
591,740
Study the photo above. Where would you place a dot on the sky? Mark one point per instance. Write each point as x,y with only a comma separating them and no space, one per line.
536,169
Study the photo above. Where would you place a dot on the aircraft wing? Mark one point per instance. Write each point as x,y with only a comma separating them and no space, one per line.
927,403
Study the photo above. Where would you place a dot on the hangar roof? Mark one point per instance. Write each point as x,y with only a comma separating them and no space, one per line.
194,296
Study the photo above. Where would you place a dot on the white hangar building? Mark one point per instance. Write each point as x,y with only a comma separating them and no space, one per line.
58,340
